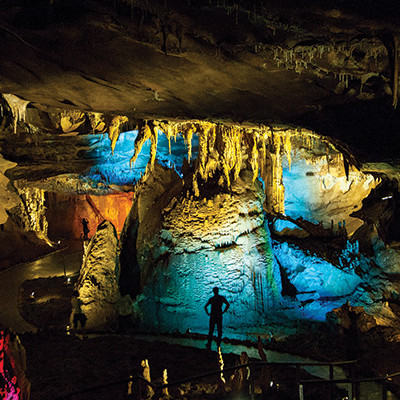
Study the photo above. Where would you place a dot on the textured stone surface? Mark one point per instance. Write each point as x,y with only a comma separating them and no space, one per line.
8,199
197,244
98,279
275,62
318,189
65,212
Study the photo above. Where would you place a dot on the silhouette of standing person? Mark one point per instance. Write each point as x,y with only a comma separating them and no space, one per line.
85,227
79,316
216,302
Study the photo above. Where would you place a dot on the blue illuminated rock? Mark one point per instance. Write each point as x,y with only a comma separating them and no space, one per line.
194,244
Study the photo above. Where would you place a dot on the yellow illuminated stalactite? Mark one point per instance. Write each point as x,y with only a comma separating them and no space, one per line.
97,122
168,131
144,133
278,192
262,157
278,180
221,147
153,149
203,131
236,151
188,134
18,108
228,146
273,178
253,153
287,146
115,129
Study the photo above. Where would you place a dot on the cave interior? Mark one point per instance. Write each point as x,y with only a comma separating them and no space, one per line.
248,145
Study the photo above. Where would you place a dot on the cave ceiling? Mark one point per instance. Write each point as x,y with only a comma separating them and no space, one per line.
327,66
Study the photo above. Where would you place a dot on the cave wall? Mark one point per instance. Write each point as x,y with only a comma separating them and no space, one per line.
65,212
186,246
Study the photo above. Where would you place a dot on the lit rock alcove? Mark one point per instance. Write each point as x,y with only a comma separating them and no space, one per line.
221,240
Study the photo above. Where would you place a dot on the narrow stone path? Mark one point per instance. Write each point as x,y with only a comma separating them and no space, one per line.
63,262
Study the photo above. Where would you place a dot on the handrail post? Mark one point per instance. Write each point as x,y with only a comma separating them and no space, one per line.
252,381
384,389
331,384
299,387
350,390
301,392
353,383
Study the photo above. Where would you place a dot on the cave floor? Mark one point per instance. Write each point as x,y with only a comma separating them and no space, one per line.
65,366
64,262
56,361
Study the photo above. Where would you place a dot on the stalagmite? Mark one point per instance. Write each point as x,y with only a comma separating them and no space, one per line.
221,365
18,108
146,375
165,382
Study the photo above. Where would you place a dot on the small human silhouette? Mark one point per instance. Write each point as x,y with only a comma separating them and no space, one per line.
85,227
216,302
78,315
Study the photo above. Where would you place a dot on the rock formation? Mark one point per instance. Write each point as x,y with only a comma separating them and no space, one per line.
196,244
238,131
98,279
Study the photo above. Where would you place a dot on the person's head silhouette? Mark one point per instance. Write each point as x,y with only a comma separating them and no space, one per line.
215,290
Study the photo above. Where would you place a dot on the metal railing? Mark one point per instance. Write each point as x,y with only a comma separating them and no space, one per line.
137,386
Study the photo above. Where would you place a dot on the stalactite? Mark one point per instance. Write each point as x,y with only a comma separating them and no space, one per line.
96,122
222,148
287,146
18,108
144,133
153,149
188,134
252,151
206,132
169,132
115,129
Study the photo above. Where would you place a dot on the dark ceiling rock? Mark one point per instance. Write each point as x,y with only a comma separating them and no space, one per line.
329,66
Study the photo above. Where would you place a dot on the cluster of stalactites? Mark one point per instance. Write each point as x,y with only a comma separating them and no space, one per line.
18,108
227,149
317,57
